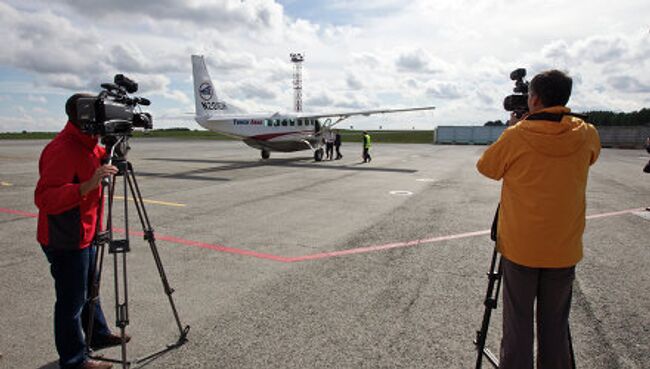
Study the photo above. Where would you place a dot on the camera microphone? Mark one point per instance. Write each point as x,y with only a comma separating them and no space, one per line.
142,101
129,85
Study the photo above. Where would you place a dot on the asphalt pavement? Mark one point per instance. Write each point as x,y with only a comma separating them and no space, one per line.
290,263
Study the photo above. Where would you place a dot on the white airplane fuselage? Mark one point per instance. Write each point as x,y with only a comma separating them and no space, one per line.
268,132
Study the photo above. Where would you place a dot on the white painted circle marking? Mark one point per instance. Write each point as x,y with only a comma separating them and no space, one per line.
401,193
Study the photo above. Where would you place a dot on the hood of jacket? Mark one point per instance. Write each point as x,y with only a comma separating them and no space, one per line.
551,138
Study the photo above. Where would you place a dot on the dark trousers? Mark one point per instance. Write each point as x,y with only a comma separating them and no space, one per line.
329,150
366,154
551,288
338,151
71,273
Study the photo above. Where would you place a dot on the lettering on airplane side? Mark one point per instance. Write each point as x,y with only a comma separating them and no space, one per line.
238,122
213,105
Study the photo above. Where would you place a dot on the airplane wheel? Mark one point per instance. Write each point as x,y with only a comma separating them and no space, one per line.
265,154
318,155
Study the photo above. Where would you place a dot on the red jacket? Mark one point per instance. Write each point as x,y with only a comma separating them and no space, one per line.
67,220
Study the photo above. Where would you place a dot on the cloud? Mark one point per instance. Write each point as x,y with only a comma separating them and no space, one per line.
444,90
353,82
454,54
418,61
37,99
629,84
222,15
250,90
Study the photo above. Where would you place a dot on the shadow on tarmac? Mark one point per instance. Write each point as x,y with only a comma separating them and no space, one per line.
290,163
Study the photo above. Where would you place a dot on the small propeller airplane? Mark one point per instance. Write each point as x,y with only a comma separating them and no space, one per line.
283,132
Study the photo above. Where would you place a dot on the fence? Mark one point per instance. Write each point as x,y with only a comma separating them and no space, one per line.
617,137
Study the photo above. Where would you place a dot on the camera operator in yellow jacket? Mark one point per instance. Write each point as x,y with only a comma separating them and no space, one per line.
544,162
544,166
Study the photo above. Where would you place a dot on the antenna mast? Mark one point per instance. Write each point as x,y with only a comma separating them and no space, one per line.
297,59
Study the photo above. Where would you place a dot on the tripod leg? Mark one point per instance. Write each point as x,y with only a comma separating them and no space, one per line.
150,238
491,298
100,240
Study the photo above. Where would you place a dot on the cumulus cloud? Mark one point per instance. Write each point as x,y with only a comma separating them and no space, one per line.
629,84
444,90
420,61
353,82
223,15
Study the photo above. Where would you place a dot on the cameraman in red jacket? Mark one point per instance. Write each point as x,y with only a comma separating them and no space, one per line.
69,198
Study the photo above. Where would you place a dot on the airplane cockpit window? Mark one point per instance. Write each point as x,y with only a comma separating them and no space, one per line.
284,122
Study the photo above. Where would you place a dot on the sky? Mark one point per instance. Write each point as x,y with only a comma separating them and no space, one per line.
453,54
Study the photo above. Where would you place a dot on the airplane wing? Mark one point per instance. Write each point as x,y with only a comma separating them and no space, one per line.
345,115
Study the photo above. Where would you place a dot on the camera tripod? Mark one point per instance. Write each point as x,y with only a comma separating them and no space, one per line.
491,297
119,248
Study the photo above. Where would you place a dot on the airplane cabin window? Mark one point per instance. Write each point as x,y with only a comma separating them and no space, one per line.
267,122
284,122
276,122
300,122
292,122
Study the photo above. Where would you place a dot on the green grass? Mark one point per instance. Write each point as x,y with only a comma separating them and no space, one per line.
183,133
413,136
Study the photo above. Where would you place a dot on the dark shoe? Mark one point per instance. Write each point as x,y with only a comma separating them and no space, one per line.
108,341
94,364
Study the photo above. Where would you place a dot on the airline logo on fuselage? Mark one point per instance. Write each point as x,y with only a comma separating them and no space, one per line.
239,122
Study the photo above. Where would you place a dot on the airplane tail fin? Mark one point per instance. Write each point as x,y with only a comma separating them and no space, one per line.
205,96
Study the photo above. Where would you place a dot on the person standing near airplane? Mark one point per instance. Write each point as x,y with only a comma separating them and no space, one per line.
337,145
329,144
69,199
544,162
366,147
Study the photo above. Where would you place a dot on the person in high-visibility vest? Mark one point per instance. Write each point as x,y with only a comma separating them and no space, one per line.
366,147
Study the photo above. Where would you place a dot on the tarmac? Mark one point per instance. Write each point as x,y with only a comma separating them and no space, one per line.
291,263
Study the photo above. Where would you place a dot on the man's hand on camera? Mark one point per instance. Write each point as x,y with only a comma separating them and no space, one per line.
513,119
93,182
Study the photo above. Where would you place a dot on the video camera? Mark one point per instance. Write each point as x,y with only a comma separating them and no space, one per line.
518,102
113,112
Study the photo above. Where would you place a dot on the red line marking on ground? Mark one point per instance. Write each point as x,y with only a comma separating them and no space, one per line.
18,212
323,255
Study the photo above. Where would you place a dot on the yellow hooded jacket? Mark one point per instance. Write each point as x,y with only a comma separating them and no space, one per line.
544,166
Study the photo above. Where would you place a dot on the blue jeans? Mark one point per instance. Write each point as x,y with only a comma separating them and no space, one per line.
71,273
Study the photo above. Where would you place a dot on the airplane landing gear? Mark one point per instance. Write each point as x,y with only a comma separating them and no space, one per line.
318,154
265,154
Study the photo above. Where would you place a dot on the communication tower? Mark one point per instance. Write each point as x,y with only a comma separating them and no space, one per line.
297,59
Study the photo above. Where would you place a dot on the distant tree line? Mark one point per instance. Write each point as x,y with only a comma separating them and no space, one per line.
609,118
606,118
494,123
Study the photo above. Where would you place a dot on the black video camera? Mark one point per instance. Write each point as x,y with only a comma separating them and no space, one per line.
113,112
518,102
